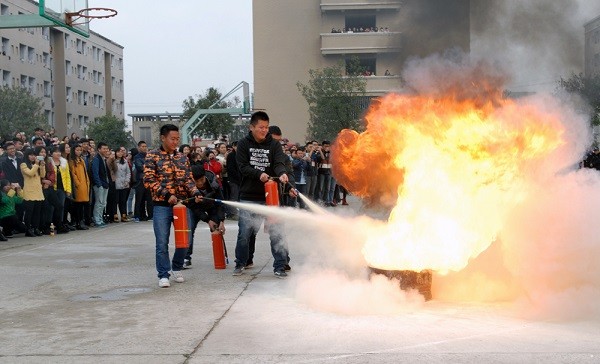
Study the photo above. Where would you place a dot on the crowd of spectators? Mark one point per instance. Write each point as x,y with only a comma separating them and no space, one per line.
361,30
51,185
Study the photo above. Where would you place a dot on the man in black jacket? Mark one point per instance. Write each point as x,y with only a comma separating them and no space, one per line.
206,210
259,157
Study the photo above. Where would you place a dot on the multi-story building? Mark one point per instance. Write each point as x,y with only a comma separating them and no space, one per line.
592,47
291,37
77,78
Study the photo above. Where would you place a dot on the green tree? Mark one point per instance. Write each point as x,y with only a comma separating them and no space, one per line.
19,111
589,89
112,131
334,96
214,124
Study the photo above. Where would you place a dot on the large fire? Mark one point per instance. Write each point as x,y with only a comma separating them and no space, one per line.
451,165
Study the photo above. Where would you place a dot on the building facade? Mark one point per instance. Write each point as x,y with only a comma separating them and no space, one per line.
77,78
592,47
291,37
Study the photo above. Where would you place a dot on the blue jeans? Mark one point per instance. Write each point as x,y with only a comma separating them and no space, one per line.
249,223
163,217
100,193
322,192
332,183
192,223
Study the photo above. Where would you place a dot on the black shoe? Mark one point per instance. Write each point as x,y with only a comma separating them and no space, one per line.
287,268
81,227
280,273
46,231
249,264
71,227
62,230
9,235
2,237
37,232
30,233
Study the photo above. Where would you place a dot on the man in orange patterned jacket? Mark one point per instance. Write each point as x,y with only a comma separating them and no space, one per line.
168,177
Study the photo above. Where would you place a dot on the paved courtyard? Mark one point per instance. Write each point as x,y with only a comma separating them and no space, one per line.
90,297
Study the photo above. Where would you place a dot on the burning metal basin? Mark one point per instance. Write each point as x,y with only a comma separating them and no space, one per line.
409,279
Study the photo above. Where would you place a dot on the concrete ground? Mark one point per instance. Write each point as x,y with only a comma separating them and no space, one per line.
90,297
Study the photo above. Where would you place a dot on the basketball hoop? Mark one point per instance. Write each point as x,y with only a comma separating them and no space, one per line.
101,13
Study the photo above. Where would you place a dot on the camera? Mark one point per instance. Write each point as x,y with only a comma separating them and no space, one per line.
39,157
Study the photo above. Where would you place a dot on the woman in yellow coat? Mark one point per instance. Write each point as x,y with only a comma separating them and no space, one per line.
81,186
33,197
62,186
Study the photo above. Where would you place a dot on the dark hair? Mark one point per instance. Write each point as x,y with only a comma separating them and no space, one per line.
83,140
8,144
55,148
183,146
198,171
326,142
259,115
234,144
26,154
35,140
274,130
100,145
167,128
37,150
141,142
72,155
38,129
4,183
62,147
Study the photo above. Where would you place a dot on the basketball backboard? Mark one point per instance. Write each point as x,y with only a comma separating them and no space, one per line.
56,10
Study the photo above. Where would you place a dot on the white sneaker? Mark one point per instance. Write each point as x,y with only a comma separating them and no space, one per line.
178,276
164,283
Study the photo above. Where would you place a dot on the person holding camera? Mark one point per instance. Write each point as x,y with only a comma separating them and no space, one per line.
10,196
33,168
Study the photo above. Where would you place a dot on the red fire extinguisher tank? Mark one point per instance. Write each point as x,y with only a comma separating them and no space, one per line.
180,223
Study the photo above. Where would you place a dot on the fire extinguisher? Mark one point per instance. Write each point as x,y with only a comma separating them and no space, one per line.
218,245
272,193
271,199
180,223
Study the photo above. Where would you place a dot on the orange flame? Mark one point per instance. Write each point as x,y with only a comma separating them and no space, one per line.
452,168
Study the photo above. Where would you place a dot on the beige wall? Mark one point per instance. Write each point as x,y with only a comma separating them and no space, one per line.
288,41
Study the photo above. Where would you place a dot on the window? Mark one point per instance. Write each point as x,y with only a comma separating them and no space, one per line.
4,9
360,21
69,120
81,121
31,85
80,97
22,52
79,71
68,68
101,102
46,33
79,46
120,62
145,133
84,72
23,81
47,89
69,94
31,55
366,65
46,60
4,46
6,78
85,98
67,40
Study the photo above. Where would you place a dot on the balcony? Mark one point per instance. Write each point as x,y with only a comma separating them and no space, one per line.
381,85
358,43
343,5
